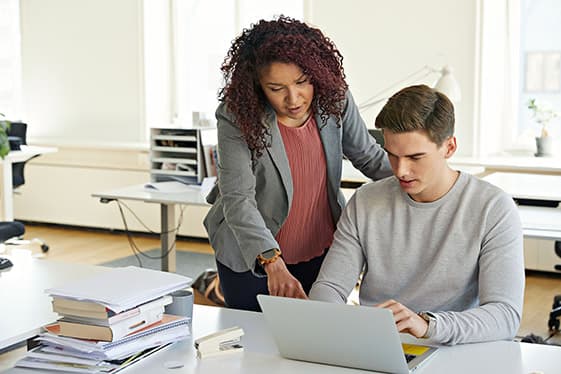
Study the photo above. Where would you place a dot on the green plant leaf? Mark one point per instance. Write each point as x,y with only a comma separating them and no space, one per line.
4,142
4,147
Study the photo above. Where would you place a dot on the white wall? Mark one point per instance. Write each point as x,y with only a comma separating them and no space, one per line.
83,84
83,63
384,41
83,90
82,70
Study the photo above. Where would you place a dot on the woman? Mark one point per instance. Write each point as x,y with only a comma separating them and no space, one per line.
284,123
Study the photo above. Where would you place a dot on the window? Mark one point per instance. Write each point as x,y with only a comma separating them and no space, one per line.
520,60
201,36
540,59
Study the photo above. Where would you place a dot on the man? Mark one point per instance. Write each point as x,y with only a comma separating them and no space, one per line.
441,249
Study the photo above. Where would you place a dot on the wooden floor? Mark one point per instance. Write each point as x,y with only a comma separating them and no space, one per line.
95,247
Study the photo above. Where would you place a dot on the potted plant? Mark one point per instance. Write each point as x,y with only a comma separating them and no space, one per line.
4,142
542,113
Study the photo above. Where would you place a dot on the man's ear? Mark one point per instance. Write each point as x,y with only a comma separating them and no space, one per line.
451,146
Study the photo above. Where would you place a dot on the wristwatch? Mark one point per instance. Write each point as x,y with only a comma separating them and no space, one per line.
431,321
268,257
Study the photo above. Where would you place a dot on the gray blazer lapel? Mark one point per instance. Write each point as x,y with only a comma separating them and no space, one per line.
278,155
332,147
330,135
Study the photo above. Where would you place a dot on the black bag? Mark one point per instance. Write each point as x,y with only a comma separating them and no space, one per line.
208,286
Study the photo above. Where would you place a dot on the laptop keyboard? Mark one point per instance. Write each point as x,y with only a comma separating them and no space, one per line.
408,358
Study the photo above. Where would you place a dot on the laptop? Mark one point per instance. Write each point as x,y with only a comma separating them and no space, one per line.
339,334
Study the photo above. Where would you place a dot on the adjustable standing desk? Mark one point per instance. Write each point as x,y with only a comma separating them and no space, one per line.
167,201
194,196
6,188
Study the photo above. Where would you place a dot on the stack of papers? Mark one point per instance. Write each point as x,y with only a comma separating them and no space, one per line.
120,289
112,292
170,329
48,358
61,353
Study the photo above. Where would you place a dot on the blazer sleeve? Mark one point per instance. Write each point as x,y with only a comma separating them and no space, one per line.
359,147
237,185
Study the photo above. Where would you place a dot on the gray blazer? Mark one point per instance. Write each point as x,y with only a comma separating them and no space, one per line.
252,198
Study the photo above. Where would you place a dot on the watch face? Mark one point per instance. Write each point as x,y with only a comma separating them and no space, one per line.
268,254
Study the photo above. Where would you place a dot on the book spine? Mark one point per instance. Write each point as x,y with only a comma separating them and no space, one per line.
82,313
133,325
109,317
78,304
155,304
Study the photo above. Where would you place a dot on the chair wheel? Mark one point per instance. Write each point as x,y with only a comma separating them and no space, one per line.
44,248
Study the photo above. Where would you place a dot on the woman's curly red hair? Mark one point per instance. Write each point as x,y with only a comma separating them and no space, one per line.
283,40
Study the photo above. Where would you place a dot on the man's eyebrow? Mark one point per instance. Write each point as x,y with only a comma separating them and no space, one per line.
411,155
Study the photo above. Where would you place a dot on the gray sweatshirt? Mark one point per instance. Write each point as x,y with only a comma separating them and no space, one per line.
460,257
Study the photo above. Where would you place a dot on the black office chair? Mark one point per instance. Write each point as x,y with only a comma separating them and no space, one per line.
17,135
555,313
9,230
12,232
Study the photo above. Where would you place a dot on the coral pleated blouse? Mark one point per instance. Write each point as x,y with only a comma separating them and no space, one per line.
309,227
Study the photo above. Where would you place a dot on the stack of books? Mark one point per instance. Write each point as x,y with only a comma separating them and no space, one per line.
94,321
104,329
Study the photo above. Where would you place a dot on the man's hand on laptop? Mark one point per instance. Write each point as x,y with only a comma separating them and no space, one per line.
406,320
281,283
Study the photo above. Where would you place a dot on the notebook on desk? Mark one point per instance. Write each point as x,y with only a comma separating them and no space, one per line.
339,334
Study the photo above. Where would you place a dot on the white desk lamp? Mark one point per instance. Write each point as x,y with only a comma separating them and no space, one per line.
446,83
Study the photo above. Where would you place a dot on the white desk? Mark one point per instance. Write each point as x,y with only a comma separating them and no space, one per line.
33,309
6,188
261,355
528,186
537,222
167,202
512,162
24,306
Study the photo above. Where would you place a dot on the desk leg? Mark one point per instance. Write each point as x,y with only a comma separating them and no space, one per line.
6,191
167,237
